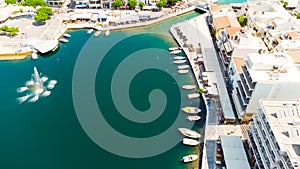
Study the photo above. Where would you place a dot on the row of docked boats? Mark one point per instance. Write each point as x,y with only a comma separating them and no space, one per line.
191,135
98,32
64,40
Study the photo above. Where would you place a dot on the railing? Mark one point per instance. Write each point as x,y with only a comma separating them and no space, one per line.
246,88
248,77
241,89
240,99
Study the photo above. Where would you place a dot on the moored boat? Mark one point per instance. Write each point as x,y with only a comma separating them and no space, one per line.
63,40
193,118
183,71
107,32
183,66
189,133
22,89
188,87
191,110
179,57
90,31
174,48
34,56
179,61
23,98
193,96
67,35
97,33
190,158
190,142
175,52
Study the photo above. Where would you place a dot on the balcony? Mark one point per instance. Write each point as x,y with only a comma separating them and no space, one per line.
248,78
254,150
242,104
242,92
244,84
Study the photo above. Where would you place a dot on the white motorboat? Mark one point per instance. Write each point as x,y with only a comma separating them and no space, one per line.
190,142
34,99
175,52
44,79
190,158
67,35
46,93
189,133
191,110
183,66
183,71
193,96
193,118
107,32
23,98
179,57
179,61
97,33
188,87
90,31
34,56
53,82
174,48
22,89
63,40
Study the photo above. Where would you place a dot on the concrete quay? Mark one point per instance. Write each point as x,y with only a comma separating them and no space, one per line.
195,39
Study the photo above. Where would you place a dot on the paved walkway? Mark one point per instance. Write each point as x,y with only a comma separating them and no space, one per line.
194,34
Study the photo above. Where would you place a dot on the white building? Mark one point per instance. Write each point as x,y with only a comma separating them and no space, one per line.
275,134
262,76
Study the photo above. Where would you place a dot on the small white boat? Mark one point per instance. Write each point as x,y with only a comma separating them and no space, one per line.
183,71
23,98
67,35
175,52
22,89
179,57
46,93
29,83
191,110
97,33
174,48
34,99
190,142
189,133
44,78
63,40
90,31
183,67
107,32
193,96
188,87
193,118
34,56
179,61
190,158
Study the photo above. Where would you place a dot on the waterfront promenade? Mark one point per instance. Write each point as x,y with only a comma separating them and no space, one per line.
195,39
54,28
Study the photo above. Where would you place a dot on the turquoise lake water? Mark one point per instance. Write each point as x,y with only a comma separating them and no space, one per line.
47,134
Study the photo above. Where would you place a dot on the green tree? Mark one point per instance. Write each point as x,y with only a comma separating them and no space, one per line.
242,20
298,15
10,1
132,4
46,10
200,91
41,17
117,3
285,4
161,3
141,4
11,30
35,3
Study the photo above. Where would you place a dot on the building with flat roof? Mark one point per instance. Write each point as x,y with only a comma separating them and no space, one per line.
233,153
262,76
275,133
